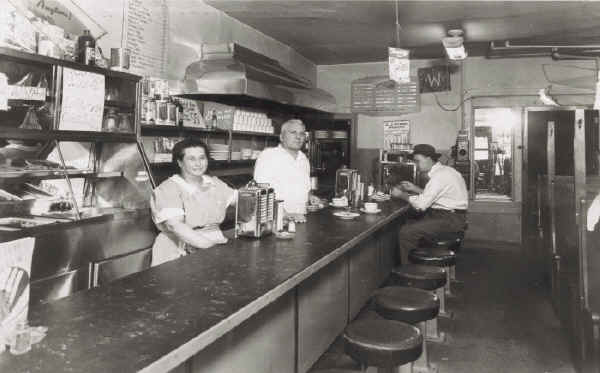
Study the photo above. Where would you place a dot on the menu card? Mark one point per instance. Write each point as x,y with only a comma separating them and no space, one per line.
395,134
82,101
145,36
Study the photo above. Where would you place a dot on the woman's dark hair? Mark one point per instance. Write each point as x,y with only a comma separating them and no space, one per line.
179,148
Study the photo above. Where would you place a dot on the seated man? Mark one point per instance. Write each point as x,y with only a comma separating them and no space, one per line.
287,170
442,204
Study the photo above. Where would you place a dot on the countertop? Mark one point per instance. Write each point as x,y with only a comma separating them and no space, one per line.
156,319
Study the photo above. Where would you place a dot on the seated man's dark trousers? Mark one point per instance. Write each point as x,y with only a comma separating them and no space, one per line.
427,226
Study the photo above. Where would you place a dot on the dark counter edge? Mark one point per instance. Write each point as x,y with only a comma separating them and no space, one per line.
181,354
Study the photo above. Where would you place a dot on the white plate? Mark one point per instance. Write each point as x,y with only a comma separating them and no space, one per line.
369,211
339,206
346,215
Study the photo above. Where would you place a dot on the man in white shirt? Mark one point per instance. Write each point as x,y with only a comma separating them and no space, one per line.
443,203
287,170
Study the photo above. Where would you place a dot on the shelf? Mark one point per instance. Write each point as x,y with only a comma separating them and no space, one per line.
36,59
81,136
119,105
250,133
17,176
212,163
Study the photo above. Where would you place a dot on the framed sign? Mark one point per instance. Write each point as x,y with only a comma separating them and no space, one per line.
434,79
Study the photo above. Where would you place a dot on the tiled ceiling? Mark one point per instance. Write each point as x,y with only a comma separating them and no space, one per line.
338,32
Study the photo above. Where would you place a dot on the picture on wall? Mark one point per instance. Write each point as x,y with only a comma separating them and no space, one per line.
434,79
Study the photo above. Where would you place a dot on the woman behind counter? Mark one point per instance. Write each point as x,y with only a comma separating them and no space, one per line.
188,207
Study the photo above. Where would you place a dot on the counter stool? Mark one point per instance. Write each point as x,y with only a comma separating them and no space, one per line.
390,346
410,305
433,256
426,278
451,241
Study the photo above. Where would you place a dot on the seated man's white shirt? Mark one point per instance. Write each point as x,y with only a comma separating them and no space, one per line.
289,176
445,190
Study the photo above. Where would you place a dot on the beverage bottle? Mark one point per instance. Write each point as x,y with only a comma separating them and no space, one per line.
86,47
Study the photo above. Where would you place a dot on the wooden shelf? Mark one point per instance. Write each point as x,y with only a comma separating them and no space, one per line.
36,59
119,104
212,163
24,175
64,135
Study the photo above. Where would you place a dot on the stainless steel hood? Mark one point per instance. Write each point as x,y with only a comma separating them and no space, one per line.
231,70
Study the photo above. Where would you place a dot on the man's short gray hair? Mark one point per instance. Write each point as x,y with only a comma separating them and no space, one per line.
287,124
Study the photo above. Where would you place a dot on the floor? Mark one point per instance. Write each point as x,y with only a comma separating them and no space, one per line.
503,320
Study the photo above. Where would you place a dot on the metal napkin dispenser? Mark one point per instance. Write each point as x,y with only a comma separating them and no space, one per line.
254,210
346,182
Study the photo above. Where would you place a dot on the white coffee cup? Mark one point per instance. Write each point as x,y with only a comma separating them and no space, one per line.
370,206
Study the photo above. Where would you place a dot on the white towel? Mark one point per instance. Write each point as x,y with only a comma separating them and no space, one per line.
593,213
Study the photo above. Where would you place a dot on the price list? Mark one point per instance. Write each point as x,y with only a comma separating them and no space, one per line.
145,36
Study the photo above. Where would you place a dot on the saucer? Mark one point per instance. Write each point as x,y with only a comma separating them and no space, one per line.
346,215
370,211
338,206
283,235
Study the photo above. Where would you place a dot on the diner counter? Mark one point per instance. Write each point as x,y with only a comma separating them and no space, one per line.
155,320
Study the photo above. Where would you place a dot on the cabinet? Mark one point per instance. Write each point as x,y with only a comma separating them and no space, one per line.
66,180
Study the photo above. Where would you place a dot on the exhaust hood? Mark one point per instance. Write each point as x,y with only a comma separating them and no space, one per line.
226,70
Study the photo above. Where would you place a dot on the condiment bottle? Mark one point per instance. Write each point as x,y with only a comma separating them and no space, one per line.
22,340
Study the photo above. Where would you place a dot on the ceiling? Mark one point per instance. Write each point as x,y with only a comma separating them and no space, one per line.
339,32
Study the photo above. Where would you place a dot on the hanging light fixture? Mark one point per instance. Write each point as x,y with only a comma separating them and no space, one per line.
454,45
398,62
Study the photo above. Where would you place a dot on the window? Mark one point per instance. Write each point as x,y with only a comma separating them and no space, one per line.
493,152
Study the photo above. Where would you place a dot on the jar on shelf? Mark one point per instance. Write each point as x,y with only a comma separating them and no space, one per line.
111,121
125,123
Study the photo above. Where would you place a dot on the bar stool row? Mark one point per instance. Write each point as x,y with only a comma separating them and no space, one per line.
394,340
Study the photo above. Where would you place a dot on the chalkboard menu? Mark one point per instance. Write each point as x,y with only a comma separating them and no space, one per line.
434,79
379,95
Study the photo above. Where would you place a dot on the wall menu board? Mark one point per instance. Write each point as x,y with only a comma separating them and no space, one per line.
378,95
145,36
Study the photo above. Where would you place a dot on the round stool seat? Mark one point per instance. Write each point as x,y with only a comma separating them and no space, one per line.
383,343
406,304
450,240
433,256
419,276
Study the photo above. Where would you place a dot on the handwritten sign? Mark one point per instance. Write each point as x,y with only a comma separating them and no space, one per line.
145,36
396,135
17,92
434,79
82,101
399,65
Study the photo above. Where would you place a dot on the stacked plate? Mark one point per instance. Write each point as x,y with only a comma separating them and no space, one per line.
339,134
219,152
246,153
320,134
236,156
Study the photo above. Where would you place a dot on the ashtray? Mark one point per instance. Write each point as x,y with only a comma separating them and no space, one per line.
284,235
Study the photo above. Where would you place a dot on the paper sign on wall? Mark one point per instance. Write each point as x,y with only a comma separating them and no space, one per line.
399,65
82,101
396,135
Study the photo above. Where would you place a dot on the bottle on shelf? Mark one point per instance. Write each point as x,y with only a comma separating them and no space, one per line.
86,47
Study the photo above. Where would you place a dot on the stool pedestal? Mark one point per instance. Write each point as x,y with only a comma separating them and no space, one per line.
426,278
415,306
437,257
